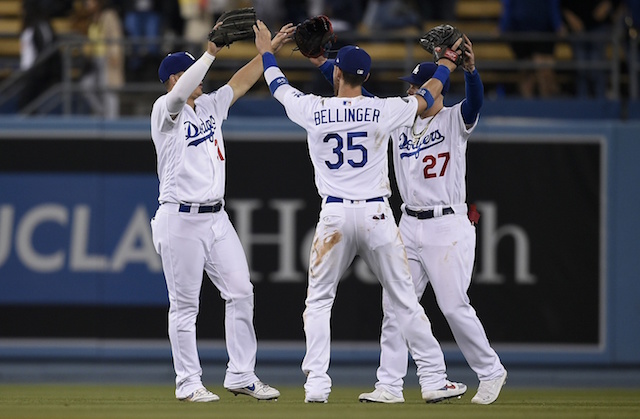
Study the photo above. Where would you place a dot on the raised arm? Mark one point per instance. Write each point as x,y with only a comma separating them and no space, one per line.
474,89
190,80
433,87
274,77
248,75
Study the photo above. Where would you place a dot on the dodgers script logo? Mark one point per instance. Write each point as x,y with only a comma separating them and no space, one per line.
200,133
413,148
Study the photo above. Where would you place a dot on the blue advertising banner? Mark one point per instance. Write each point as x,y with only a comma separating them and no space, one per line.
78,239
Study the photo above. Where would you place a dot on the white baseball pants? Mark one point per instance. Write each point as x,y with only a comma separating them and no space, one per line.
189,243
441,251
369,230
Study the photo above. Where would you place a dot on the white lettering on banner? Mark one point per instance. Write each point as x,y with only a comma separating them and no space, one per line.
489,239
285,238
6,232
24,238
79,260
134,246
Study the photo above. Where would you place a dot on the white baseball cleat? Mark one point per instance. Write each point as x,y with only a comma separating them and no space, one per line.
488,391
201,395
315,398
380,395
257,390
448,391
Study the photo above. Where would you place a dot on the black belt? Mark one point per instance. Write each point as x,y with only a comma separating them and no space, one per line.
424,215
202,208
331,199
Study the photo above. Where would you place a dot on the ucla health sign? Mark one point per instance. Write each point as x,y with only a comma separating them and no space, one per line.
75,241
81,239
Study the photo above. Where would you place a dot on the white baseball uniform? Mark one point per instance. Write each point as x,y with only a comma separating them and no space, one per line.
348,143
430,167
192,232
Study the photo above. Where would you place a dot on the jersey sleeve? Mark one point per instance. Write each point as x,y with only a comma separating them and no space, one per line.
296,104
221,100
160,116
465,132
401,111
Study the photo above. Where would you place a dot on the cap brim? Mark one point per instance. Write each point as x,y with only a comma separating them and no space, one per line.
411,79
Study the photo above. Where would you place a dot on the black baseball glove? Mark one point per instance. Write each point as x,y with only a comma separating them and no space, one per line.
236,25
439,42
314,37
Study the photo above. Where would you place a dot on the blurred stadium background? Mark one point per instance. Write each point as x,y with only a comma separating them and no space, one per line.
82,297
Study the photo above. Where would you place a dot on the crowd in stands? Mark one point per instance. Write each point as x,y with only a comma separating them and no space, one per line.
151,27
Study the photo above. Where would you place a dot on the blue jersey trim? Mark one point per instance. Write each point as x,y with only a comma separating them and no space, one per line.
427,96
277,83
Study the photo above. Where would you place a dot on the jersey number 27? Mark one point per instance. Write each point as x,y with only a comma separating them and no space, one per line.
431,163
358,150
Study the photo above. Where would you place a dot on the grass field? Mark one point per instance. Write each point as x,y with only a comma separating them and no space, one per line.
157,402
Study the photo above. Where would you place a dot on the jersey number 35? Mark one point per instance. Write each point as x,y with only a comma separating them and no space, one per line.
358,150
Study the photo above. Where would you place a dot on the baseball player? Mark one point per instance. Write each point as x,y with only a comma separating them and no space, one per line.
348,137
429,163
430,168
191,230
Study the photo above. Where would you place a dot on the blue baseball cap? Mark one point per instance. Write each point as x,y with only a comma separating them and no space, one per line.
354,60
174,64
422,73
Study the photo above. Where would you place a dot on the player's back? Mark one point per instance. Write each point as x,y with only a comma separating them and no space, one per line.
348,141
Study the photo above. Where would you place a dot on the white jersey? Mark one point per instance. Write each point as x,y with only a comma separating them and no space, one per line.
430,161
348,139
190,149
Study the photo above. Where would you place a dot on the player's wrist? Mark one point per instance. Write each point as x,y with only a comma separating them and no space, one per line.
268,60
442,74
208,57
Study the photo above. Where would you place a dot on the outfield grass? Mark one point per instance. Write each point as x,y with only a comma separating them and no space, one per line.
157,402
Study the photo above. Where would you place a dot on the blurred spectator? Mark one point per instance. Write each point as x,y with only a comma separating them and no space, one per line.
437,10
199,17
105,53
297,11
38,57
272,12
345,16
534,16
58,8
143,23
390,14
590,18
172,21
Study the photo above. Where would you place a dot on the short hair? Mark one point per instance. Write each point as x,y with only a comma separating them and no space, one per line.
353,79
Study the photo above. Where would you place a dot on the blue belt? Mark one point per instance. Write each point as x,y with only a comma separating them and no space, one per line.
331,199
202,208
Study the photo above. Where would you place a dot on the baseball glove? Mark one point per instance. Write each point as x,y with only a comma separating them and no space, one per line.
314,37
439,42
236,25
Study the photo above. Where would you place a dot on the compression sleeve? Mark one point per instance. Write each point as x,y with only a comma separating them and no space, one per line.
327,70
474,91
188,82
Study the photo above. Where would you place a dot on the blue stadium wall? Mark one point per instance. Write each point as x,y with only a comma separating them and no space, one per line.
557,268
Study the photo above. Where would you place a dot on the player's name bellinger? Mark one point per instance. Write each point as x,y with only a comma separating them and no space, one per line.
328,116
